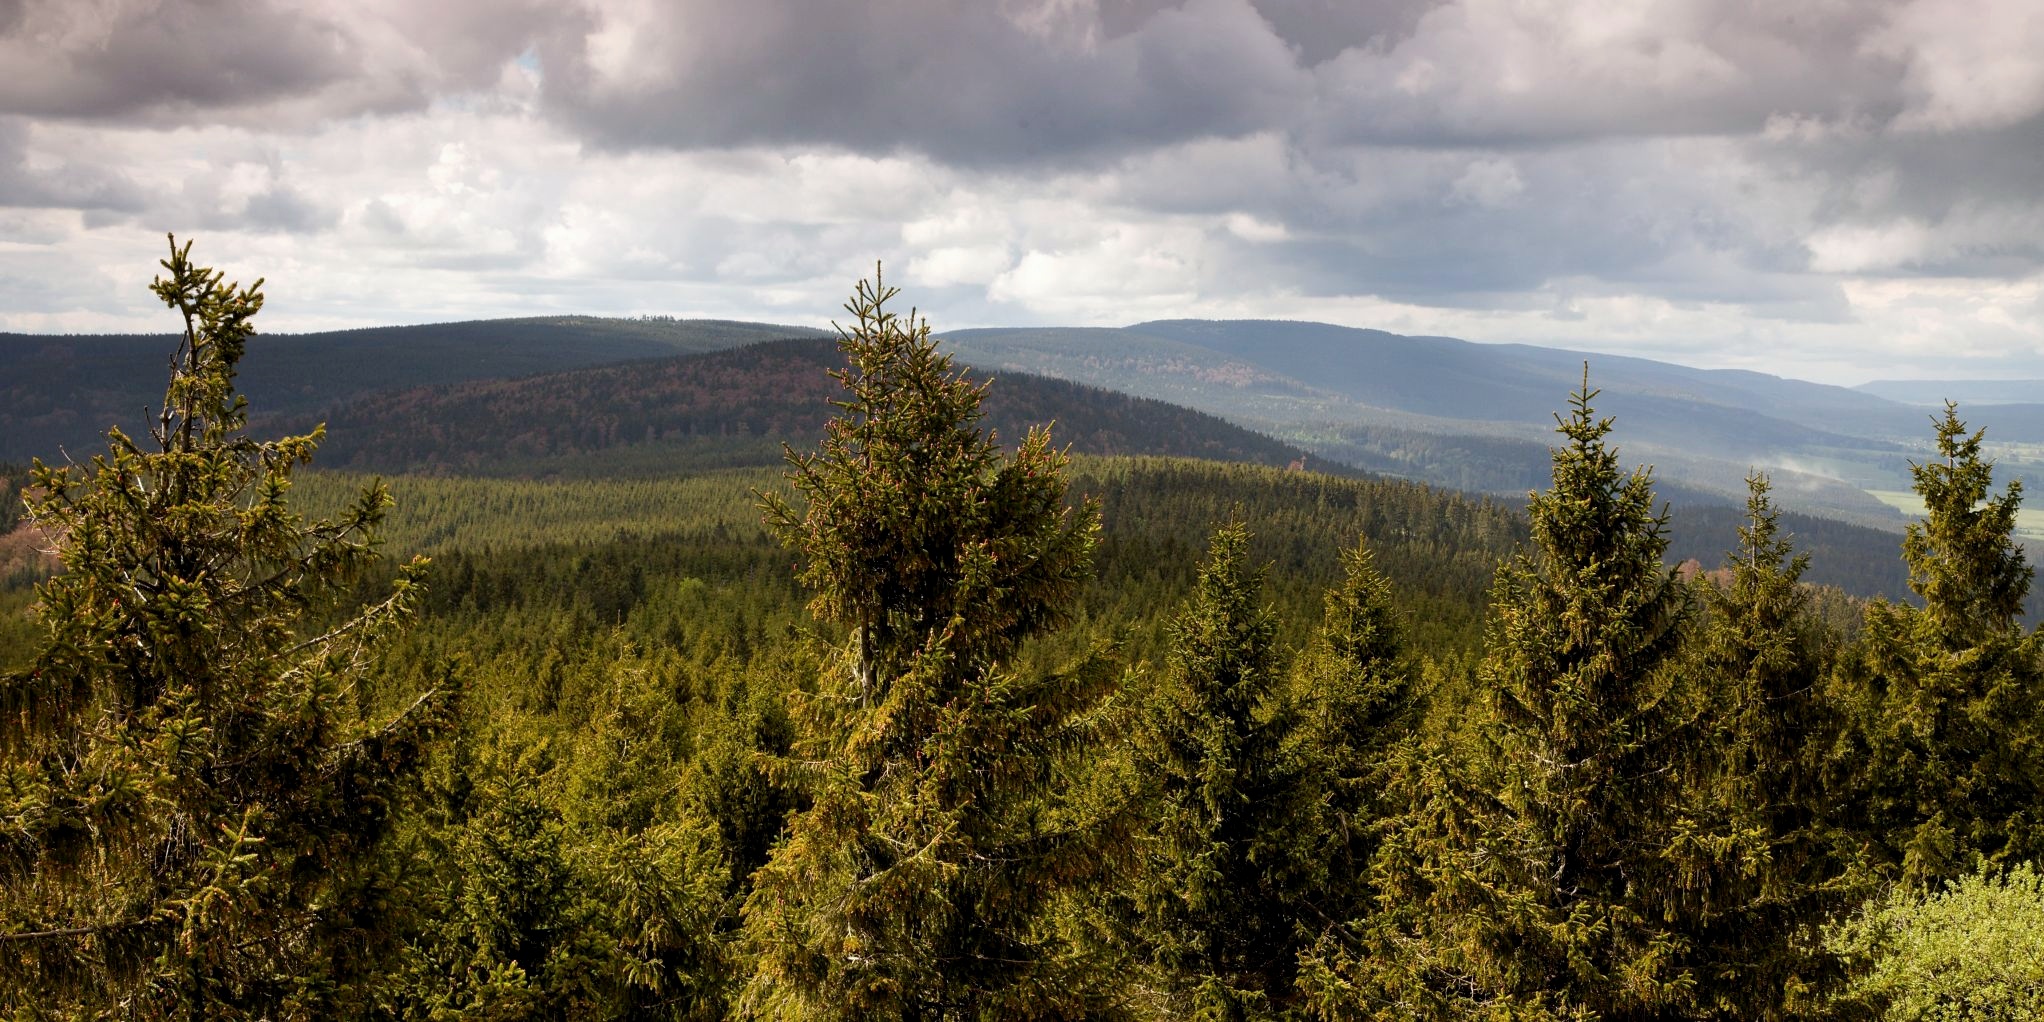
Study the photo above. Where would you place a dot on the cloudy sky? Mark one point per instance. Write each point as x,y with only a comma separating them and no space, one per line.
1834,189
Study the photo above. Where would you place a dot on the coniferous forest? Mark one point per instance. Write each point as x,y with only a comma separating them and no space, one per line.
935,723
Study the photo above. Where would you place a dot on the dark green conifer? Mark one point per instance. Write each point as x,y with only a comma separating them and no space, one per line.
916,885
1964,561
1236,858
1555,875
1365,715
189,797
1942,766
1760,658
1359,686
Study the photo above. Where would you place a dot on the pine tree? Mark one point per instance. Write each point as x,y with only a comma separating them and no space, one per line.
916,885
1553,876
190,797
1943,759
1761,659
1235,862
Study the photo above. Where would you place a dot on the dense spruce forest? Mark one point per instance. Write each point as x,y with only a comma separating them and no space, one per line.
929,723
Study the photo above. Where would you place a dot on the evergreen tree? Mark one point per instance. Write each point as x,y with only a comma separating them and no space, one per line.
1235,862
1761,657
554,902
190,800
915,887
1357,680
1555,876
1943,761
1363,738
1964,561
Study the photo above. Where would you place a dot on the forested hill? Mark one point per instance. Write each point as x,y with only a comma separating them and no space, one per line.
725,408
1480,416
61,392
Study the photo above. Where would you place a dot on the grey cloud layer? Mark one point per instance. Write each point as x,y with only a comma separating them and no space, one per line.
274,64
1467,154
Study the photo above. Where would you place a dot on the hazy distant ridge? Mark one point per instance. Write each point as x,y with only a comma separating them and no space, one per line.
1934,393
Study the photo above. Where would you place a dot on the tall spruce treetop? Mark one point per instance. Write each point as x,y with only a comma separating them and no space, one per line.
1565,893
914,523
1236,859
1761,659
1963,558
1944,755
916,885
189,794
1579,635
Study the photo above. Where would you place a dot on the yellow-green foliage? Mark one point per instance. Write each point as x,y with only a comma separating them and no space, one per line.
1973,952
435,513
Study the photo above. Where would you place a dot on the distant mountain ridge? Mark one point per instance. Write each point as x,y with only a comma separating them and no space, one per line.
731,403
61,392
1934,393
1455,413
717,409
1480,416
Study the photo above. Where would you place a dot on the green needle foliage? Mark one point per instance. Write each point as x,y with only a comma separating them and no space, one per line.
916,885
1363,737
1359,684
1550,877
1236,856
1963,558
1762,658
190,799
1945,751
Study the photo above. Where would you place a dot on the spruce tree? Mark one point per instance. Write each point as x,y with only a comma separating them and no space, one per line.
1942,765
190,799
916,885
1357,681
1761,658
1554,876
1365,713
1964,561
1236,860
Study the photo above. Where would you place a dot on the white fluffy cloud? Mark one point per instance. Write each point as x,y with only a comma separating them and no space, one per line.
1841,190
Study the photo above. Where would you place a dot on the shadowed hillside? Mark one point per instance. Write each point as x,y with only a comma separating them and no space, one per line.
61,392
724,409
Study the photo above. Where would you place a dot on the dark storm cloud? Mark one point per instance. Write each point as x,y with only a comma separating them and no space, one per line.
1714,163
93,61
282,208
1974,192
1496,75
1855,101
281,64
1316,30
970,84
990,83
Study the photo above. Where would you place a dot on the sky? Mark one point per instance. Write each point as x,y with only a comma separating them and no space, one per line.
1837,190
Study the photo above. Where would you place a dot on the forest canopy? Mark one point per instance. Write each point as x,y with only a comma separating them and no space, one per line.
941,724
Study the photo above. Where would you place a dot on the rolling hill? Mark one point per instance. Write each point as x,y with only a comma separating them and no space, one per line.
1932,393
61,392
722,409
1470,416
1479,416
